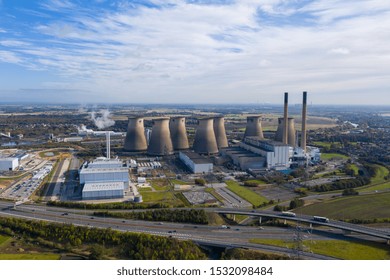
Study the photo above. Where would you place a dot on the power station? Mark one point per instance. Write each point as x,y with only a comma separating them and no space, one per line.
168,135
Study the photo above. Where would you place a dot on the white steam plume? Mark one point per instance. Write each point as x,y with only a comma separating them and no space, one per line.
104,120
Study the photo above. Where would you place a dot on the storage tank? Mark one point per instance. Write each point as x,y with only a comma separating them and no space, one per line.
220,133
160,141
177,127
253,127
205,141
290,131
135,140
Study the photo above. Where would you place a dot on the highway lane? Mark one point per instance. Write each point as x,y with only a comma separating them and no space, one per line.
306,219
235,237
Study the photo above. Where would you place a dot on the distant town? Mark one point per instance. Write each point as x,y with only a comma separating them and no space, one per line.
259,181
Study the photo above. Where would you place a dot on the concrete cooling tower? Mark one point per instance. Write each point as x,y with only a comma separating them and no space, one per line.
177,127
160,141
220,133
290,131
205,141
135,137
253,127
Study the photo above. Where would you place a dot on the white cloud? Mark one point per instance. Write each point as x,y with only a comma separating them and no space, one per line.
340,51
9,57
187,52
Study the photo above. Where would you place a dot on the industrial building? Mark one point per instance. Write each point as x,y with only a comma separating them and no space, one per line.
245,159
195,162
255,152
104,179
277,155
9,163
103,190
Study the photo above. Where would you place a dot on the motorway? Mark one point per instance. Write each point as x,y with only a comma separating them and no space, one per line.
236,236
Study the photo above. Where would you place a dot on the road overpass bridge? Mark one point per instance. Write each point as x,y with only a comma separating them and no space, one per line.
346,227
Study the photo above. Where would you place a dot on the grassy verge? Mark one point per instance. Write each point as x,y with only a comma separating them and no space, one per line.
356,207
379,187
29,257
362,250
250,196
3,239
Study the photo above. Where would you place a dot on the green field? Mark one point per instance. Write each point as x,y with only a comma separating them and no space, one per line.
356,207
29,257
322,144
364,250
157,196
330,156
245,193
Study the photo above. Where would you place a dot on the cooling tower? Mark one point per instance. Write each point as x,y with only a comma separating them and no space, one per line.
160,141
291,131
285,120
177,127
304,108
253,127
220,133
205,141
135,137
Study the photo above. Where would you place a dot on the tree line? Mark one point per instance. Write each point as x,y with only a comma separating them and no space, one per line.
179,216
136,246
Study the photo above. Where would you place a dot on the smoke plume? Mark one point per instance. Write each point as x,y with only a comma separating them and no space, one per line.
102,121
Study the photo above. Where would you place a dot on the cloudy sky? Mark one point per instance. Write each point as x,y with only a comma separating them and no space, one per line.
195,51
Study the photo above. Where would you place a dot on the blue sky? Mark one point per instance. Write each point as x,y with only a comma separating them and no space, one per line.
195,51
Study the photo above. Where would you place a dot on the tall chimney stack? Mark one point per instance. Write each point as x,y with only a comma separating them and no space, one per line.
304,109
285,127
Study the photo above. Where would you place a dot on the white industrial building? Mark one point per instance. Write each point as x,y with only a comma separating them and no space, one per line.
9,163
277,154
104,190
104,179
196,163
118,174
